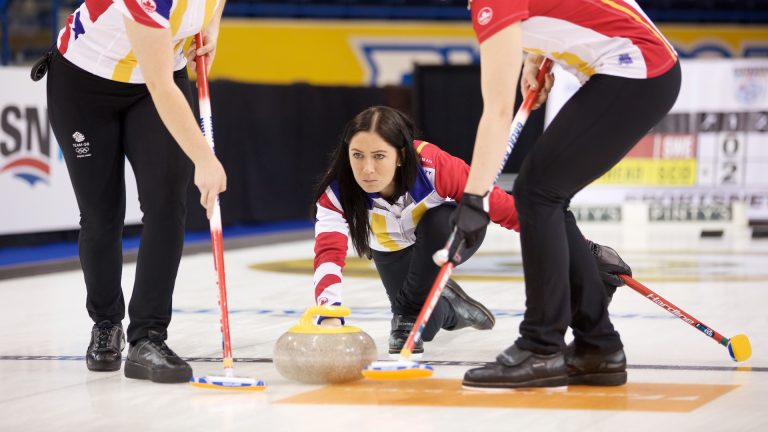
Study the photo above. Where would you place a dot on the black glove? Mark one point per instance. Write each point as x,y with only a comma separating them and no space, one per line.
610,264
40,68
468,222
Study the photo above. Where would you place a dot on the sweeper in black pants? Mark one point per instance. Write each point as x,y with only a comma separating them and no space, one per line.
631,78
117,89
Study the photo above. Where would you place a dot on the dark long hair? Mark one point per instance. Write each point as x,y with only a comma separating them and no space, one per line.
398,131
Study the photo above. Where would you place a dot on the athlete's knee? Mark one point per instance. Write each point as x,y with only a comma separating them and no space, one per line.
530,192
102,219
434,224
169,217
163,206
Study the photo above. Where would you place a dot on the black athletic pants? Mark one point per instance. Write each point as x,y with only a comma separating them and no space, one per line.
98,123
592,132
408,274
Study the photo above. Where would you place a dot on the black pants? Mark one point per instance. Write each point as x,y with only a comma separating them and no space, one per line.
98,123
408,274
592,132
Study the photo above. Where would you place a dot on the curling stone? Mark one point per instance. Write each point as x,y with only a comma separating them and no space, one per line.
315,354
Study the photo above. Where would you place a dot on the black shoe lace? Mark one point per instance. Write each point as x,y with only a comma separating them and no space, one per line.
102,337
164,349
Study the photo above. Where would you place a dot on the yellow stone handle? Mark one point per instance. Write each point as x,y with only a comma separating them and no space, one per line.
307,323
327,311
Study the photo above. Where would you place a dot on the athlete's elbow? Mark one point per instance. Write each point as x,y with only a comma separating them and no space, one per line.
501,111
159,86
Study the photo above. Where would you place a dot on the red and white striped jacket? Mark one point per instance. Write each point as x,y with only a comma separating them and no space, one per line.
586,37
441,179
94,36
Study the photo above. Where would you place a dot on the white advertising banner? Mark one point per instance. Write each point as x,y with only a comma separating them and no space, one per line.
710,150
35,192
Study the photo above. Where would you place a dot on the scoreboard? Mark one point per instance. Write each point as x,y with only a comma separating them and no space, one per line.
699,149
711,149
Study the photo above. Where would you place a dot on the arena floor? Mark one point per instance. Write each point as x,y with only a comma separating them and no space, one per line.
678,378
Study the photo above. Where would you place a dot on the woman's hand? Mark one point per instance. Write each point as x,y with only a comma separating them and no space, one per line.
528,78
210,36
331,322
211,179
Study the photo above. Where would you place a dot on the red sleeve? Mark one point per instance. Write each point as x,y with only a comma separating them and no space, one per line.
450,172
502,209
331,233
329,248
451,178
491,16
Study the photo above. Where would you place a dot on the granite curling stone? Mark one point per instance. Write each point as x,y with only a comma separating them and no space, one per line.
315,354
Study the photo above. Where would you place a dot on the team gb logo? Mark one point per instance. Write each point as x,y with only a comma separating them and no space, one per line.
485,15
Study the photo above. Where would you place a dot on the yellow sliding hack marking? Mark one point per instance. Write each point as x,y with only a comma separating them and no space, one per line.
649,397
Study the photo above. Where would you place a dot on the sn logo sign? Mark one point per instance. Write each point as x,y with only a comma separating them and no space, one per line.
25,143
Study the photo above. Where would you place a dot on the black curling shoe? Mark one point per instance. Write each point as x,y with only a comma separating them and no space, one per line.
107,342
152,359
596,369
401,328
469,312
518,368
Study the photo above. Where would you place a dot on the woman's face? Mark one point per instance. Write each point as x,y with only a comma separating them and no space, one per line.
374,162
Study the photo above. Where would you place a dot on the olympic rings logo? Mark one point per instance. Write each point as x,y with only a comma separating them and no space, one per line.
82,150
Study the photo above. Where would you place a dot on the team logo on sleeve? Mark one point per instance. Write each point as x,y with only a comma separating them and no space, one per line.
148,5
485,15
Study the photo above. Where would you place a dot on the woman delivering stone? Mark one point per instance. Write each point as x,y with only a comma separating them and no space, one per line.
392,195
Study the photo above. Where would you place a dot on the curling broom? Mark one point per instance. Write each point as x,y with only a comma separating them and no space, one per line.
227,381
738,346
